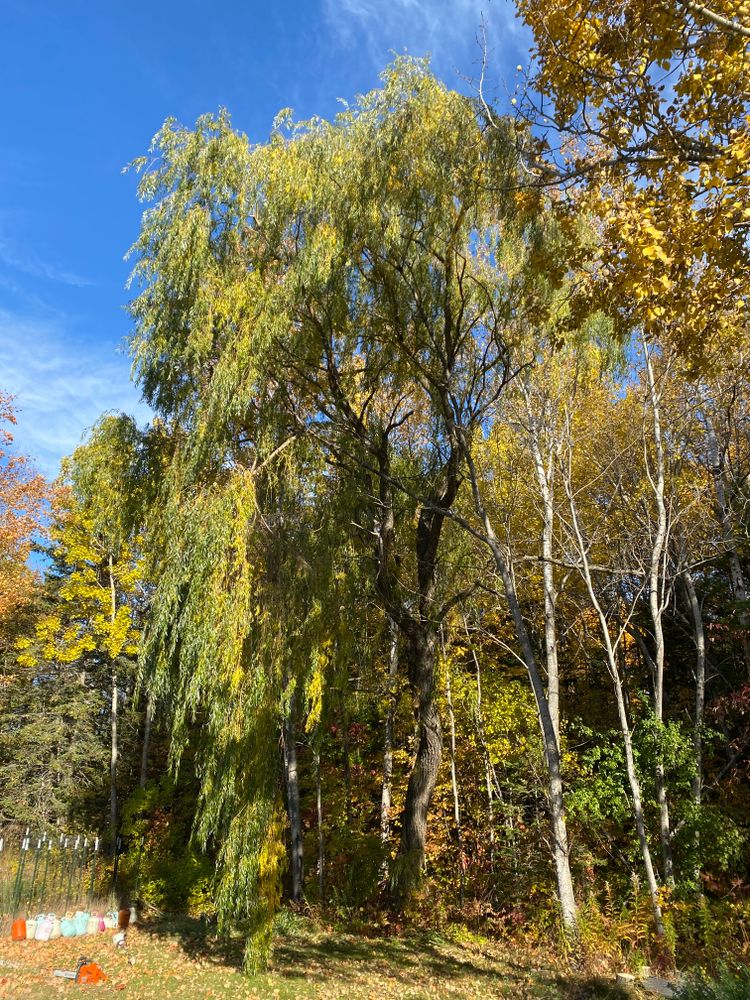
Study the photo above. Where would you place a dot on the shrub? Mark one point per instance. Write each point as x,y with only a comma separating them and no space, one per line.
728,984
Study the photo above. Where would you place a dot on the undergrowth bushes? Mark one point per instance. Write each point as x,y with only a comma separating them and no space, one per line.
163,867
728,984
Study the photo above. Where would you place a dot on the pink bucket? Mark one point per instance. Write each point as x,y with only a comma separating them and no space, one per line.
44,928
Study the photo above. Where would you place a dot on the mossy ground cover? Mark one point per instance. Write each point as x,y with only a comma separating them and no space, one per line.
183,959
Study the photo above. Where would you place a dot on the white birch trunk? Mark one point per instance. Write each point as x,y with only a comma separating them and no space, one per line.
632,774
113,811
545,480
560,844
656,601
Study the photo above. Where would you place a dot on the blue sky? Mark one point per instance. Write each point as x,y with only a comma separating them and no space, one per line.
87,84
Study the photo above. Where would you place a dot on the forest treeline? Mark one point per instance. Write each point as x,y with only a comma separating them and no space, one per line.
425,592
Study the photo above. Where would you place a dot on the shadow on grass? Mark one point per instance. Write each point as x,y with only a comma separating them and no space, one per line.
198,940
311,955
590,989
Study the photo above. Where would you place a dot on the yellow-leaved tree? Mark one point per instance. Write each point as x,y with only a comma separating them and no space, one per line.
645,110
99,598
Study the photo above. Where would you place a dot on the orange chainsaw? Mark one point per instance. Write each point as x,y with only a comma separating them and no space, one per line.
86,972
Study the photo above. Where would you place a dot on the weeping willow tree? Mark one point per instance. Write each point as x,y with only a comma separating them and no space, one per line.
316,316
245,625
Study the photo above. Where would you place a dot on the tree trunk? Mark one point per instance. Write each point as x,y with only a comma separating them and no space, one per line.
665,831
113,811
385,795
632,774
346,761
699,636
545,479
321,838
454,777
559,828
657,586
635,790
113,758
660,784
550,629
424,773
293,806
488,775
560,844
417,619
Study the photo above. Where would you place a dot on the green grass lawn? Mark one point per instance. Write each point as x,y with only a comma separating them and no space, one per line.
179,959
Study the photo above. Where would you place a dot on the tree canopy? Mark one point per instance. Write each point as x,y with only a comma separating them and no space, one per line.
24,497
645,108
434,554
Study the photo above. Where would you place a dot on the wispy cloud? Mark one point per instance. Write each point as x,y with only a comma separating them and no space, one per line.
62,383
28,263
448,29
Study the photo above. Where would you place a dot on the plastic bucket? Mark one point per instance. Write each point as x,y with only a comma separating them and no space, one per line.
43,929
67,927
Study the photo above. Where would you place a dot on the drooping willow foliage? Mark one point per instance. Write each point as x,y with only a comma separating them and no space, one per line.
319,319
236,628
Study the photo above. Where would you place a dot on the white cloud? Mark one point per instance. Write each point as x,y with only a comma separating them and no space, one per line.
448,29
62,383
